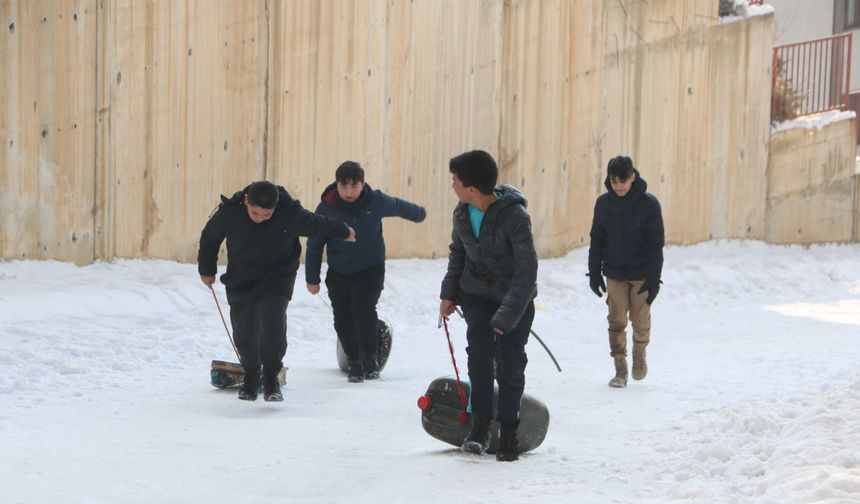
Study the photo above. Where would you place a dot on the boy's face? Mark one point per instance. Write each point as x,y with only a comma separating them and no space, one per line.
621,187
258,214
350,190
464,194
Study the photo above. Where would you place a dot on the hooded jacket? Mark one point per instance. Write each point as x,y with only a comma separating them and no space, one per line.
501,265
627,234
365,216
265,253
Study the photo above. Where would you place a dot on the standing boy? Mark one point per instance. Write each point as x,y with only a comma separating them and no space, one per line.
356,271
492,275
627,246
262,224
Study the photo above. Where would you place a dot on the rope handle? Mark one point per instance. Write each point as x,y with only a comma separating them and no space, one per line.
223,321
463,417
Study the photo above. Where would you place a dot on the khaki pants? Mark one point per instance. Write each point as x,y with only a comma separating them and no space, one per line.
622,299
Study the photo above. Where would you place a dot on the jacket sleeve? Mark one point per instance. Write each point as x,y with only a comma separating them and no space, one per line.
655,239
456,263
313,257
210,242
597,250
396,207
524,281
310,224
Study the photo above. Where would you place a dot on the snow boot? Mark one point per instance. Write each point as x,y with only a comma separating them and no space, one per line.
640,365
370,367
620,380
356,373
478,439
250,387
509,446
272,389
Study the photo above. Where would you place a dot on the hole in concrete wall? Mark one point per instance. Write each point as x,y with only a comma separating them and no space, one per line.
12,27
189,52
75,16
44,133
118,77
225,145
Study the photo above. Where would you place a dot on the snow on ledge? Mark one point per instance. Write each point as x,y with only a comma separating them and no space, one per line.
817,121
752,10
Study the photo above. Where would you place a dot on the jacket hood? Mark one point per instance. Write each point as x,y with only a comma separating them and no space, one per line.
331,198
238,197
638,188
508,196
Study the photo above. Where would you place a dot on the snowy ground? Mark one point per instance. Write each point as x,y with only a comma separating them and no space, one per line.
753,392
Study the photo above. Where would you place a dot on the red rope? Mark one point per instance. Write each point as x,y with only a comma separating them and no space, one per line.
464,416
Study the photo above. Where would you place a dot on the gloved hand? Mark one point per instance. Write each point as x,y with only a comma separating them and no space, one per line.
596,283
652,287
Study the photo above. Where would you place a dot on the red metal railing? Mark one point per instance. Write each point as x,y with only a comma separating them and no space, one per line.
810,77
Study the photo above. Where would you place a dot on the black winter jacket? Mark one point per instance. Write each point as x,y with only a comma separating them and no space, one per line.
627,234
365,216
266,253
501,265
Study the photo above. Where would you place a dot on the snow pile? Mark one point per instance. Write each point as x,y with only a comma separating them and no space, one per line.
752,396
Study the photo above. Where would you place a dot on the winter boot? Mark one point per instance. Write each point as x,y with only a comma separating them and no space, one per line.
272,389
478,439
620,380
356,373
370,368
640,365
250,387
509,445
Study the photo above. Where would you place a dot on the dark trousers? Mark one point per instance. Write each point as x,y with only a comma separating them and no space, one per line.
353,301
260,331
504,353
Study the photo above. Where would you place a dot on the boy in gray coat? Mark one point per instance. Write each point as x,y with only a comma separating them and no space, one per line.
492,275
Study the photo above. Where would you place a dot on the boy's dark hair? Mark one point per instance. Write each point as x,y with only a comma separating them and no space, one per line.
475,169
620,167
349,171
263,194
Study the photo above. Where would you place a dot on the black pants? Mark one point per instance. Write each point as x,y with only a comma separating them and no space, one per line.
260,331
504,352
353,301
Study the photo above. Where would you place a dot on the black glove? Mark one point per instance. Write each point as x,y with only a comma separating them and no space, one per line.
652,287
596,283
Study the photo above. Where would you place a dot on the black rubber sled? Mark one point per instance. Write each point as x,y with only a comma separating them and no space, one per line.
441,413
383,347
229,374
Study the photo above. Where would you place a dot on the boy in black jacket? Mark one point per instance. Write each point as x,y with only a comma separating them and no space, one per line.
492,275
356,271
262,224
627,246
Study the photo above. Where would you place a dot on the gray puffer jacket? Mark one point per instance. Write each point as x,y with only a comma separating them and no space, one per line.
501,265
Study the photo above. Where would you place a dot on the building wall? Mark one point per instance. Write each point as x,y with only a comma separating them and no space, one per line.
811,184
177,102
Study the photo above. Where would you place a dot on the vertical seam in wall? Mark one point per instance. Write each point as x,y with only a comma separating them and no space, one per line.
96,211
266,94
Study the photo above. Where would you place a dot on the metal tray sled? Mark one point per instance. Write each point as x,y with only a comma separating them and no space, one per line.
229,374
441,413
383,347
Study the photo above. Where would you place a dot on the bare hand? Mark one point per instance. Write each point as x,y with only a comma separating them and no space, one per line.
446,307
207,280
314,289
351,237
